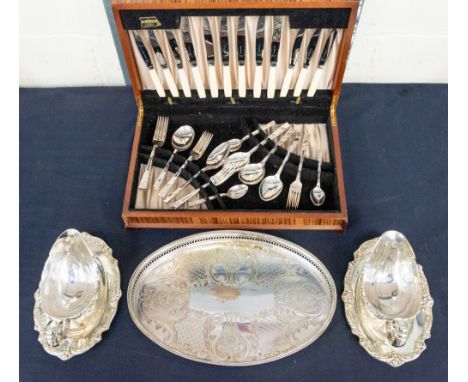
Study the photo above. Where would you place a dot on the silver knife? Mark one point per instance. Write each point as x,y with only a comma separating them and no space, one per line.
224,37
305,66
163,62
275,47
177,53
296,49
192,58
259,45
323,60
149,64
208,37
241,50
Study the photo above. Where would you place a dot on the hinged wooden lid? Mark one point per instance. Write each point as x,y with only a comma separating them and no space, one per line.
143,8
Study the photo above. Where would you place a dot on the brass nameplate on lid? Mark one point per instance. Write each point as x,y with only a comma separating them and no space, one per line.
151,22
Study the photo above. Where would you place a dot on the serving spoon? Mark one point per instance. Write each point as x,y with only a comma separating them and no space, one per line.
234,192
272,185
182,139
253,173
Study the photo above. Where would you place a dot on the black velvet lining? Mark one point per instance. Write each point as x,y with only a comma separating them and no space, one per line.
298,18
226,121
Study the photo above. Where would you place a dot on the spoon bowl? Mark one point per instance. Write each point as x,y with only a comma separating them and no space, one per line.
272,185
252,174
183,138
218,155
270,188
234,144
237,191
317,196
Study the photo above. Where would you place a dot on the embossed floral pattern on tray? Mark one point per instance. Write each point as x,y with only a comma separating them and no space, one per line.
232,298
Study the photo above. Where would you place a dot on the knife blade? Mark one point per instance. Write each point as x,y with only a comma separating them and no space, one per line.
296,49
224,37
275,47
192,58
163,62
149,64
305,66
209,46
321,66
259,45
181,71
241,46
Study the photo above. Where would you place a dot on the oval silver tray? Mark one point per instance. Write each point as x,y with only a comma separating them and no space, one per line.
232,298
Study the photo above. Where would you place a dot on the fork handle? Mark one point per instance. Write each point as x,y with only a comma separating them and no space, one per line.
163,173
171,182
145,178
187,197
173,194
301,162
197,202
286,158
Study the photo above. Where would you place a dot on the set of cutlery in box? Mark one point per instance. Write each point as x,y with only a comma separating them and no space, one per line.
158,187
242,53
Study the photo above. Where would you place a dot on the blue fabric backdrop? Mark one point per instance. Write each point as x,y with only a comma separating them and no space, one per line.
74,152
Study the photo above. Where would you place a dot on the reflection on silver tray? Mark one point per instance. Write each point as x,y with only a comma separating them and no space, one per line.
77,296
232,298
387,300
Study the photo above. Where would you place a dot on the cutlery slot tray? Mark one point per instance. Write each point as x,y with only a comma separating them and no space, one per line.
234,115
233,121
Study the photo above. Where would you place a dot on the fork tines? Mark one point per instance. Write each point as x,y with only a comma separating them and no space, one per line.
159,136
160,130
202,144
294,195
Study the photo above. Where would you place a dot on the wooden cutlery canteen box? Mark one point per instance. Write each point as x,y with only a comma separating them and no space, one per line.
257,80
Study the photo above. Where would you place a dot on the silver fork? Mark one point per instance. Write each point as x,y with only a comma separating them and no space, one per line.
196,153
159,136
295,188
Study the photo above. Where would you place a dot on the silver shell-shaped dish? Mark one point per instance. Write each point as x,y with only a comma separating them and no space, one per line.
77,296
376,327
232,298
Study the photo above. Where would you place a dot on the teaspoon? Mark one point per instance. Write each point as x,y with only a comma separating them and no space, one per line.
253,173
182,139
272,185
235,192
317,195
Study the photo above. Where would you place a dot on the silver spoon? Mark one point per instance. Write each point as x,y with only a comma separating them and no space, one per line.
238,160
217,157
235,192
317,195
236,143
182,139
214,161
253,173
272,185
